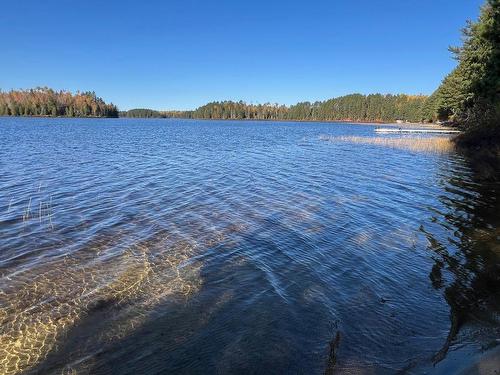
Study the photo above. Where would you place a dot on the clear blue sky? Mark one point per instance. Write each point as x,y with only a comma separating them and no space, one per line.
179,54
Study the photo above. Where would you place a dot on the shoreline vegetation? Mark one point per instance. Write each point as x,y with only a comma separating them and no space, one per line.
434,144
372,108
421,125
355,108
45,102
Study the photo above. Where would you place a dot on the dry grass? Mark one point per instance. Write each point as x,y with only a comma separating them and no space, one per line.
418,144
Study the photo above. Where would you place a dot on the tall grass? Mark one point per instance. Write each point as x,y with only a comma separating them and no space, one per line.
418,144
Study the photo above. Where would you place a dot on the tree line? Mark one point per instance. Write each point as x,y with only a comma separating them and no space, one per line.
152,113
47,102
355,107
142,113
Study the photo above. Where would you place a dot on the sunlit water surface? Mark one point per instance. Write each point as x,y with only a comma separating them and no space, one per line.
175,246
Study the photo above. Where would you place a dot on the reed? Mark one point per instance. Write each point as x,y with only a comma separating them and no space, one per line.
50,212
417,144
27,211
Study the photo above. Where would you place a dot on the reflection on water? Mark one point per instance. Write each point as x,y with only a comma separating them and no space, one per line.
467,266
146,246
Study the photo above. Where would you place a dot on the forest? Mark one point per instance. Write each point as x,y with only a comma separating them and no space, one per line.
355,107
47,102
142,113
151,113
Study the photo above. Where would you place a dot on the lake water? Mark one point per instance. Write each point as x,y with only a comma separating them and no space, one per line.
174,246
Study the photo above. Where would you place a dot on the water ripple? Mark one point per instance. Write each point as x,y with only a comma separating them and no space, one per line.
133,246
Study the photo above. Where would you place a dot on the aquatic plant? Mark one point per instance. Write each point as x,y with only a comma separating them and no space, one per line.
418,144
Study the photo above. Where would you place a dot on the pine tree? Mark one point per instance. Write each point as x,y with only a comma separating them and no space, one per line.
470,95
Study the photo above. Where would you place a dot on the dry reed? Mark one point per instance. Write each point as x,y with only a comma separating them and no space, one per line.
27,211
418,144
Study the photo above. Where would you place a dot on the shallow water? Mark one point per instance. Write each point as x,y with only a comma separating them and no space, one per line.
159,246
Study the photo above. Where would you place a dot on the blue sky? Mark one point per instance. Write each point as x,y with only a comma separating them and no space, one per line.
179,54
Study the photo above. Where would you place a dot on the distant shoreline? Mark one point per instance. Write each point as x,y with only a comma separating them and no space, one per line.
391,123
374,123
48,116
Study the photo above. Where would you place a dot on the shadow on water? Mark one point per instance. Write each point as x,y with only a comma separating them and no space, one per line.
467,266
77,352
229,325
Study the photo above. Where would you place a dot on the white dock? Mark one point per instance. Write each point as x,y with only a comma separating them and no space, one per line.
402,130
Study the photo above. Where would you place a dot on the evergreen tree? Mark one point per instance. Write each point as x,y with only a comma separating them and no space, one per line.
470,95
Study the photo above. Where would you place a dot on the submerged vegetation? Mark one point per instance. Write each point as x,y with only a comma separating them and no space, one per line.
47,102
